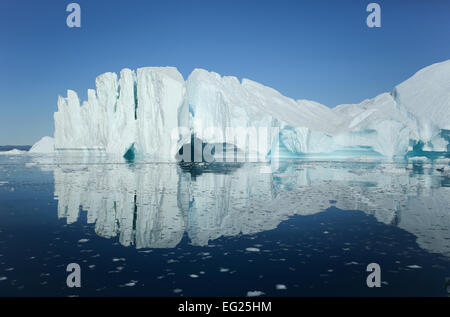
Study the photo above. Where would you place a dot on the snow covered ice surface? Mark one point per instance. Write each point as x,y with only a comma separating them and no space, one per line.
139,113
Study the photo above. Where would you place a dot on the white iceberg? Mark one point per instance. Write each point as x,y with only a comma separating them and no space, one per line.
43,146
153,111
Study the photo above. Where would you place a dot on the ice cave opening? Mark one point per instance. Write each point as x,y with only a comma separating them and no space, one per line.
130,154
198,151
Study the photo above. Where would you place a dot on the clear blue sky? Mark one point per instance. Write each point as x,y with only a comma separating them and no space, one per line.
319,50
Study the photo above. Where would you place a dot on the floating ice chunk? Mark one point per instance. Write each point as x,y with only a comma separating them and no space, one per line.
280,287
252,250
131,283
414,266
118,259
352,263
254,293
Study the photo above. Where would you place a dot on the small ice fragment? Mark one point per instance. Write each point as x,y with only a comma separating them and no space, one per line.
223,270
83,240
131,283
118,259
193,276
254,293
252,250
177,290
280,287
352,263
414,266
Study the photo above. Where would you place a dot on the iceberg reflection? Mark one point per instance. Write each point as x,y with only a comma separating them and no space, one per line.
154,205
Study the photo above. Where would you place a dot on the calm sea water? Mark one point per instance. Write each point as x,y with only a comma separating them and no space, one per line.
298,229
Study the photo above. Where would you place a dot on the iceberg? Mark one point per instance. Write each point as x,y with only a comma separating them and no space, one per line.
43,146
13,152
154,112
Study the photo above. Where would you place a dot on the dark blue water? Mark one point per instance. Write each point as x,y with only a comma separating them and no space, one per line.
308,229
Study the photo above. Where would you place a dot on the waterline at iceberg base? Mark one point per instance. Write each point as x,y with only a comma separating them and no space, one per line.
157,229
141,113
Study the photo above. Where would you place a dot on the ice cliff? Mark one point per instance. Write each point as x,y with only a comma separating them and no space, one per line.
153,112
135,112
